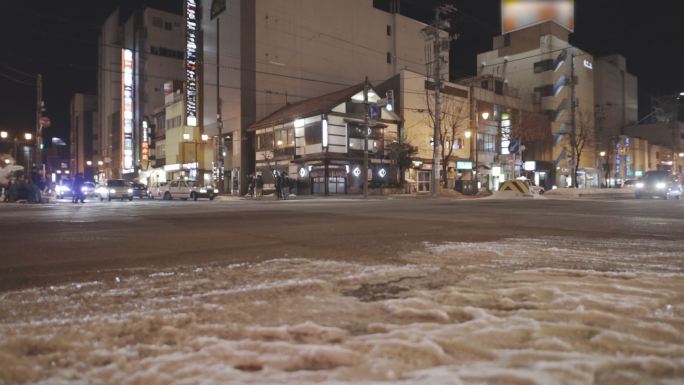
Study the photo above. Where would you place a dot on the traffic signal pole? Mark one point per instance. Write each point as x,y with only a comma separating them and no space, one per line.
39,125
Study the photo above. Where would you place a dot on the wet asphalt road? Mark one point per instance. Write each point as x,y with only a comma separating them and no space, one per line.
51,243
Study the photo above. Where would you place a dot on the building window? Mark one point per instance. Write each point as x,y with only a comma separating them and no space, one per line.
544,91
498,87
291,136
486,142
313,134
158,22
168,26
389,58
265,141
167,52
389,30
543,66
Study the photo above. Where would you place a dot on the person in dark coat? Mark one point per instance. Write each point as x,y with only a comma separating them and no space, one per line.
278,185
77,186
250,185
284,185
258,187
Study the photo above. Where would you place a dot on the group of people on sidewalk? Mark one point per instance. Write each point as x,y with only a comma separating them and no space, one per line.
281,183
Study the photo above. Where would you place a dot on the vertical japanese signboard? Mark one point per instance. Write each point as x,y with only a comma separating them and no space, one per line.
127,90
191,74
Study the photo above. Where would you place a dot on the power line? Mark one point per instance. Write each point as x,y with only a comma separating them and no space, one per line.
16,80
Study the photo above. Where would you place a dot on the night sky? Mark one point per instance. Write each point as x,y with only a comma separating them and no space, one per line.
59,40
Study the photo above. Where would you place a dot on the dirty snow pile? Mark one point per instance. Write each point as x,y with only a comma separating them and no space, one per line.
516,311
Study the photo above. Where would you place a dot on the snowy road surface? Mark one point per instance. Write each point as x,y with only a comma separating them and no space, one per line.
535,310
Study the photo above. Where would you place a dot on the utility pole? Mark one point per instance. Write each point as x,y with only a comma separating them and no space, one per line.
39,114
219,118
573,129
365,141
440,46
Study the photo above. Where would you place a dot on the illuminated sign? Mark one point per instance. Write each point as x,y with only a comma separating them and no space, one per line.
588,64
505,134
530,165
127,90
519,14
461,165
145,141
191,63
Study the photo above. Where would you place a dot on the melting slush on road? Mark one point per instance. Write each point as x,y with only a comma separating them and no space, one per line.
524,311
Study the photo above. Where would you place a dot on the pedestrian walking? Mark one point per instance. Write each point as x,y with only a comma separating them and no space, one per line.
278,185
77,186
250,185
285,185
258,187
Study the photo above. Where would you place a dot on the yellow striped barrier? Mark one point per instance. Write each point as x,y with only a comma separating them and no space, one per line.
516,186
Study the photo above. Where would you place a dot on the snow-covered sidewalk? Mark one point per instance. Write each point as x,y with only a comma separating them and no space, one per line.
515,311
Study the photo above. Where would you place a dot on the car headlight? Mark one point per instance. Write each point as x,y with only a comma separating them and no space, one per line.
84,189
130,191
203,191
112,191
660,185
639,185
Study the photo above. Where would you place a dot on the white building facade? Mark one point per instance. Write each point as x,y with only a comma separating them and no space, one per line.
549,73
137,54
270,53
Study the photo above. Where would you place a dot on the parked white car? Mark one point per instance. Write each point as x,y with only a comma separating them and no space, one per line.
180,189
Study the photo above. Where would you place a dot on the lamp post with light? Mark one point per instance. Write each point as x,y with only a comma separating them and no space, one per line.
606,168
186,139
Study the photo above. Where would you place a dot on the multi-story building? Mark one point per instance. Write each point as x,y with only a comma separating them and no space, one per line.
616,107
416,103
138,53
83,152
669,137
319,143
259,56
556,78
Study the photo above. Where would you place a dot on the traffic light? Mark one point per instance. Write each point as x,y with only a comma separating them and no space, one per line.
390,100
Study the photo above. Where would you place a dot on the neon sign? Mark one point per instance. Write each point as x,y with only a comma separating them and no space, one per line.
127,90
505,133
191,62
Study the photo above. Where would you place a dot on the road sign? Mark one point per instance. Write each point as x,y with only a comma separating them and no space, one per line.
45,122
374,112
514,147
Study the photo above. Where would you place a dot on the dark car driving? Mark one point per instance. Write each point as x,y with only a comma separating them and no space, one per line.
658,184
140,190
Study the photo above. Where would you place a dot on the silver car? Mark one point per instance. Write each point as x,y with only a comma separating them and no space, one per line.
658,184
117,189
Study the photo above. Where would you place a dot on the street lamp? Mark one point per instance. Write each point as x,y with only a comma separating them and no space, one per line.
28,136
485,115
186,139
606,166
3,134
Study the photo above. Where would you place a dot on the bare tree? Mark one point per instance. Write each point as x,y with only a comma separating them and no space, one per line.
402,155
581,137
455,118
